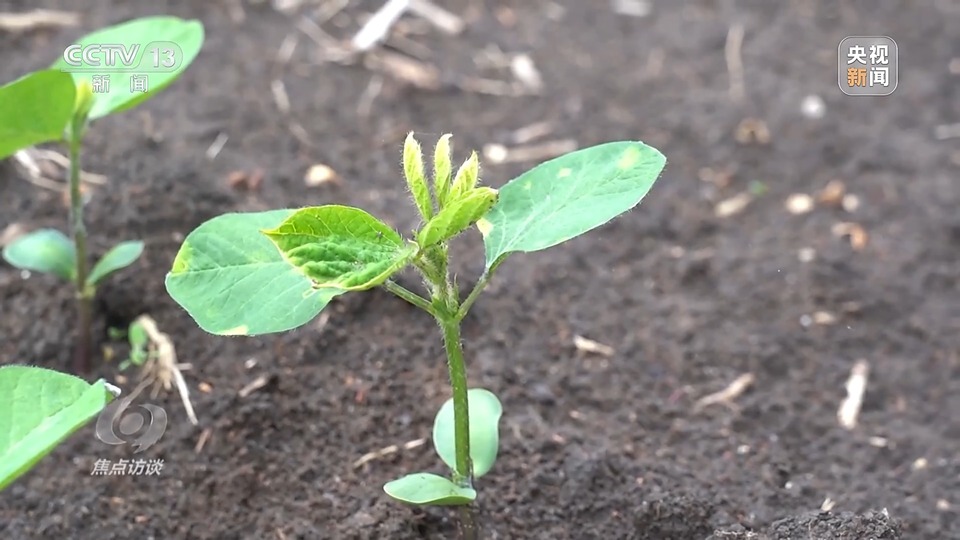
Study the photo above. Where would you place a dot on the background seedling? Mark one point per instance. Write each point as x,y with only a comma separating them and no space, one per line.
58,104
39,408
264,272
139,341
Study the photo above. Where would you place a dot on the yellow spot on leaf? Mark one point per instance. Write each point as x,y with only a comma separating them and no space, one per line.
484,226
629,158
181,262
527,185
241,330
564,172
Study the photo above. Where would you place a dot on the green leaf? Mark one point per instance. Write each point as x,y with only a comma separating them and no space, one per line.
232,280
457,216
160,48
429,489
341,247
416,181
442,167
137,336
568,196
35,109
43,250
39,408
121,256
467,177
484,412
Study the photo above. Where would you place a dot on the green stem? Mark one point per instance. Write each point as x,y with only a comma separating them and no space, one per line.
79,233
472,297
409,296
463,475
445,307
458,380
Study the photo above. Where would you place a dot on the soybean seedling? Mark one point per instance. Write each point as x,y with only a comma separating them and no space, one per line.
139,341
264,272
58,104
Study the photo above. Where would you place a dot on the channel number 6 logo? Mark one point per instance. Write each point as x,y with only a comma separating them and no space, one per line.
141,426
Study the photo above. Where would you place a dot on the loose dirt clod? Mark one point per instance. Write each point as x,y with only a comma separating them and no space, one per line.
856,233
832,194
752,130
733,206
728,394
856,386
246,180
319,174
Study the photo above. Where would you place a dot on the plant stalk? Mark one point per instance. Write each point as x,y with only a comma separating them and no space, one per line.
463,475
458,380
81,359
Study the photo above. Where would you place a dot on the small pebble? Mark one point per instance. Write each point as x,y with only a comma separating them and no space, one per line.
850,203
813,106
799,203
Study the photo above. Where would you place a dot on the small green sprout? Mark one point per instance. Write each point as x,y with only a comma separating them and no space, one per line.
265,272
58,104
139,341
39,408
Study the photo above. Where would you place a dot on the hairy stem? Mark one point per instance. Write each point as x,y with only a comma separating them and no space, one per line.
458,380
472,297
463,475
79,233
409,296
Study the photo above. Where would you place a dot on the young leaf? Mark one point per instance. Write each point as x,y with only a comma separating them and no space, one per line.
137,336
467,177
457,216
84,101
484,410
416,181
154,52
39,408
43,250
341,247
568,196
34,109
442,167
121,256
232,280
429,489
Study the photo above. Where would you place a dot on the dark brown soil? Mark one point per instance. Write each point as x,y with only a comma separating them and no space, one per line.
592,447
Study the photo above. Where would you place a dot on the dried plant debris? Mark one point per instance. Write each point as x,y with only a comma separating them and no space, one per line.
849,410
